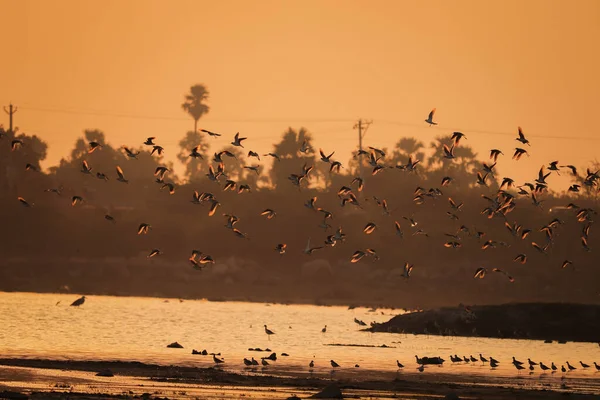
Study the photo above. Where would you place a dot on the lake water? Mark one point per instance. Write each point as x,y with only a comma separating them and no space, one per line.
139,329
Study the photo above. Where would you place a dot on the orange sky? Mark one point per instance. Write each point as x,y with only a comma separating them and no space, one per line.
321,64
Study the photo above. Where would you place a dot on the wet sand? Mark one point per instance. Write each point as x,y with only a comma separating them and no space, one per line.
49,379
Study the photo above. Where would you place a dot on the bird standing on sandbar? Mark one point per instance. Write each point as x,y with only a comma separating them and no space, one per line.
269,332
78,302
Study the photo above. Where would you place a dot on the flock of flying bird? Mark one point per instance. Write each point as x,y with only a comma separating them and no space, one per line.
501,204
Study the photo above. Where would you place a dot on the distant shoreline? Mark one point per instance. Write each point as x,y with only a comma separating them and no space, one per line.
300,302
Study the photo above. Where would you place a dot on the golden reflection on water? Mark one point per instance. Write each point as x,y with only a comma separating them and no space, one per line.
139,329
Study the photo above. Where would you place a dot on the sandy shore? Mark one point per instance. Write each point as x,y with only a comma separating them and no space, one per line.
48,379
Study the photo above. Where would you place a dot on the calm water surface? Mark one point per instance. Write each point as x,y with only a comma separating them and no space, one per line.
139,329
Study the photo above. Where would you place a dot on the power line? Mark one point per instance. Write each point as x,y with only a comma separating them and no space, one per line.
486,132
169,118
295,119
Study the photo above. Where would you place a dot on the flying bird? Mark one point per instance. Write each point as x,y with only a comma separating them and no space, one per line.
196,153
522,258
398,229
305,148
453,205
94,146
280,248
310,203
369,228
335,166
160,172
446,180
429,119
309,250
359,181
157,149
121,176
253,168
269,213
494,153
213,208
275,156
237,140
144,228
24,202
325,158
448,151
169,186
154,252
130,153
85,168
407,270
566,263
54,190
457,136
507,182
510,278
253,154
518,153
481,179
76,199
239,233
213,134
572,168
522,138
454,245
357,256
480,273
15,144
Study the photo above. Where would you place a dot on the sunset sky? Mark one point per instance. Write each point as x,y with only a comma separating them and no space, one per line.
488,67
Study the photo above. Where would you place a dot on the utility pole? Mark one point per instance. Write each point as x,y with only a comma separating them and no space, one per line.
9,168
11,111
362,127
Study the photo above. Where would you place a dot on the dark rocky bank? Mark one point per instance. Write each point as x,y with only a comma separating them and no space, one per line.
537,321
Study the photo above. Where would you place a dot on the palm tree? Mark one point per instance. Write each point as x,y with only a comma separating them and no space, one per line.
194,103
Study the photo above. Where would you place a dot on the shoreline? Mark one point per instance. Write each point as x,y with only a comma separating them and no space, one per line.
426,386
297,302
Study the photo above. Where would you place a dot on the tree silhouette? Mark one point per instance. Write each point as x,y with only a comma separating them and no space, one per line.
32,151
82,144
408,146
288,149
234,167
462,168
194,103
194,167
589,191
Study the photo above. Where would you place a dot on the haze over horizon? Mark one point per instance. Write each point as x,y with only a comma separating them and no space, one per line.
123,68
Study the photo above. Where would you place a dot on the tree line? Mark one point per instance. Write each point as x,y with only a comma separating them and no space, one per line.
54,245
